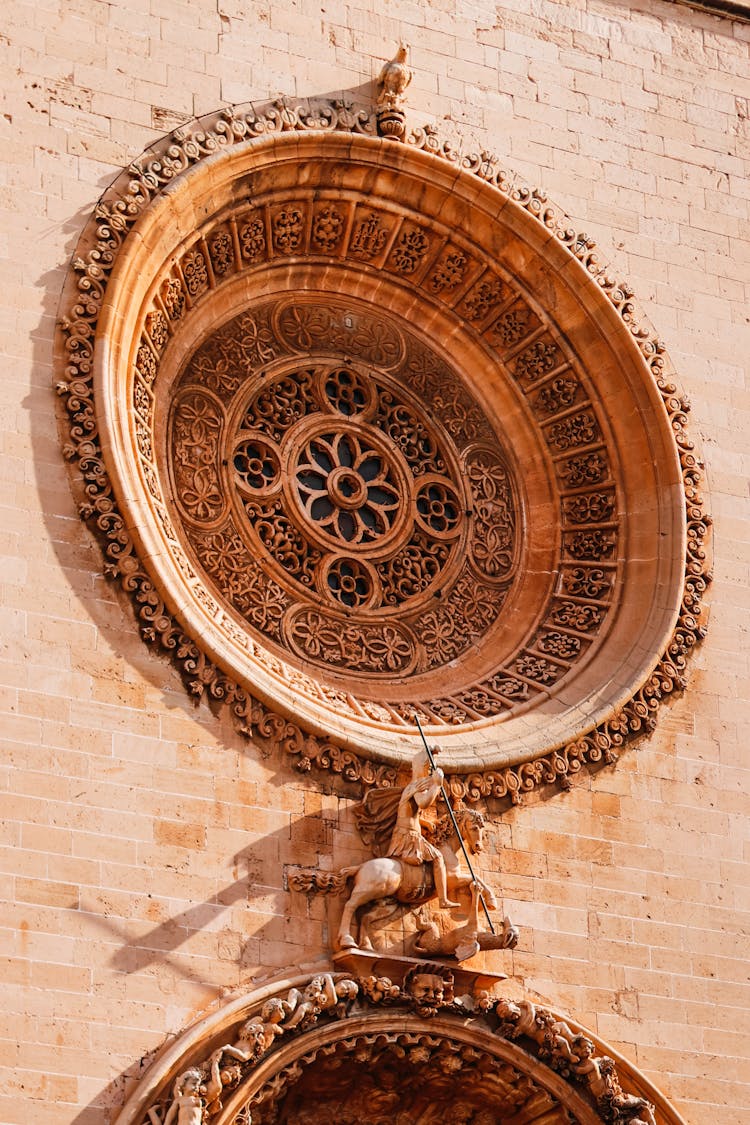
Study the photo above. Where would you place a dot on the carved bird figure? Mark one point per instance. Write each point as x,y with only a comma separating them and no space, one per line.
394,77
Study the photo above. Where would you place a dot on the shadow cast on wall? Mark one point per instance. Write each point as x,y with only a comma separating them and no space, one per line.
256,917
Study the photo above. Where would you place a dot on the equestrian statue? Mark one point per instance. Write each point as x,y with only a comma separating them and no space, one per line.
420,864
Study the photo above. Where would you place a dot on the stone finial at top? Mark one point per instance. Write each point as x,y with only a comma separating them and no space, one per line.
392,82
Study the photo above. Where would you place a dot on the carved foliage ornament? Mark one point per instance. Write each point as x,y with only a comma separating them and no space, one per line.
337,489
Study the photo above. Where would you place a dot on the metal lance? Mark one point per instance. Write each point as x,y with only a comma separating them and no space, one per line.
454,822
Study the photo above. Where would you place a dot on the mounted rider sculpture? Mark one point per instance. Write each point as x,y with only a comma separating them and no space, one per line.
414,869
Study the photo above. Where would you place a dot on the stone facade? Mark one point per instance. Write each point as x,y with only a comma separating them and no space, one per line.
147,845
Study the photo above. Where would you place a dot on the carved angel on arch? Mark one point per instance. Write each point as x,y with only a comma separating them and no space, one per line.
188,1101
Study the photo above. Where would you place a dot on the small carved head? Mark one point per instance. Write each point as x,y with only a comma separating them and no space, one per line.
346,990
471,824
427,990
430,987
189,1082
420,764
583,1046
510,1017
273,1011
253,1036
483,1000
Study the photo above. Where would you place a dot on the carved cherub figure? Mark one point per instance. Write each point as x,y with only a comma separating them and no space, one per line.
306,1006
272,1015
258,1034
600,1075
249,1045
628,1107
254,1038
187,1103
378,989
522,1017
519,1018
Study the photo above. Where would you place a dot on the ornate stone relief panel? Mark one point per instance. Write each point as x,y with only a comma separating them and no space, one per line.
367,431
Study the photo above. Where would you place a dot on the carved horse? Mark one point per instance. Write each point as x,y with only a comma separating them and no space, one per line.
390,877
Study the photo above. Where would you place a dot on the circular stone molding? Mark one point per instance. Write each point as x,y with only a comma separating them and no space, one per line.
368,433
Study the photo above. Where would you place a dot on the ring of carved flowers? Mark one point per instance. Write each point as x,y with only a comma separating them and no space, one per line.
349,454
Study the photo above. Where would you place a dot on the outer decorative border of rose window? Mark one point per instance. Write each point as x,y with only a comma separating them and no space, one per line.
579,362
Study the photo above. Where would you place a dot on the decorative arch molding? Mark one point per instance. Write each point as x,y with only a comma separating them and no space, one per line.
364,425
330,1047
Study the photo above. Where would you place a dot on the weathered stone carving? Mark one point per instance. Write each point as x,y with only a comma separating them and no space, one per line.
392,82
523,1017
299,1010
428,988
188,1102
407,842
464,940
414,870
573,1053
600,1076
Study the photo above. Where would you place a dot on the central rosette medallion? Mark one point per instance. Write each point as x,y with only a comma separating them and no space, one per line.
359,476
349,487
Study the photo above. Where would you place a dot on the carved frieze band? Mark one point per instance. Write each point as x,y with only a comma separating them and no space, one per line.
220,1086
443,269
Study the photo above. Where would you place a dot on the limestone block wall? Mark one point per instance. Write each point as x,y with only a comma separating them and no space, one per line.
144,843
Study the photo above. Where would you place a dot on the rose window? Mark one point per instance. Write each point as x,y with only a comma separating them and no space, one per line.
366,431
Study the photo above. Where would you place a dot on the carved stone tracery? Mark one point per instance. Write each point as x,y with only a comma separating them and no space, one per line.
322,488
401,1079
212,550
